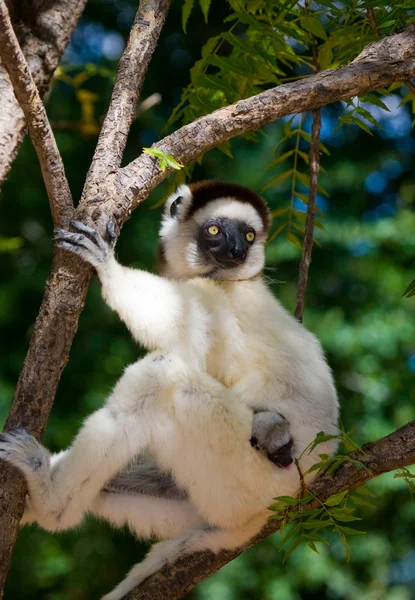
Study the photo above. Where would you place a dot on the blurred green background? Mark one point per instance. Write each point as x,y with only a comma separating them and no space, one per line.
353,304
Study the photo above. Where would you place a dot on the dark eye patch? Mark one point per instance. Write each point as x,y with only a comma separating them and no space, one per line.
174,205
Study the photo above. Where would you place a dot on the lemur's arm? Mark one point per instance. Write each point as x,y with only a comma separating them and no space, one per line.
155,310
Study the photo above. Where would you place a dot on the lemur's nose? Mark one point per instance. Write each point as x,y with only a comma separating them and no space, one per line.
237,254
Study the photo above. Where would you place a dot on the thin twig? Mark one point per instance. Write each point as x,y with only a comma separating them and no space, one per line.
311,214
372,21
27,94
121,113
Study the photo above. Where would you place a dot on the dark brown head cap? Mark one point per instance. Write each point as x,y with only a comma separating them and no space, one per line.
208,190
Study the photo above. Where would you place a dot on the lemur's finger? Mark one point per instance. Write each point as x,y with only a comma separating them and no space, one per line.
89,231
77,239
85,254
111,235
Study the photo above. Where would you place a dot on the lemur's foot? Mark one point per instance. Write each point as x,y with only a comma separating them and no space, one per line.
271,435
87,242
22,450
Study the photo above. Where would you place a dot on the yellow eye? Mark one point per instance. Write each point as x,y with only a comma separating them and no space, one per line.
213,230
250,236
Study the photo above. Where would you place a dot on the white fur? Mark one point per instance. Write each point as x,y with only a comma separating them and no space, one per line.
217,349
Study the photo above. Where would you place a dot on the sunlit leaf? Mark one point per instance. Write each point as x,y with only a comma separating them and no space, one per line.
186,11
335,499
313,25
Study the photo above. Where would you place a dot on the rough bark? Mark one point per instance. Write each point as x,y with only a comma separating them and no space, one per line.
387,454
26,92
43,52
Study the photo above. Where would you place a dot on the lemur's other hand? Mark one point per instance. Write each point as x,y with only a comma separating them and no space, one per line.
271,435
87,243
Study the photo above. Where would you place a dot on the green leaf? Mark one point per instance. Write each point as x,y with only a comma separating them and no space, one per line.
278,179
287,500
291,550
313,547
335,499
363,491
186,11
280,211
281,158
227,65
313,25
410,290
315,538
362,125
204,5
373,99
10,244
291,237
213,82
345,545
345,517
166,159
277,231
351,531
291,533
368,116
361,501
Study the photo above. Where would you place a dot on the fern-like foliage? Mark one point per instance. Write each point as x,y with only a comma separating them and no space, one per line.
266,43
305,517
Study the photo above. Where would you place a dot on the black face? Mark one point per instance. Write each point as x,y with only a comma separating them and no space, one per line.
225,242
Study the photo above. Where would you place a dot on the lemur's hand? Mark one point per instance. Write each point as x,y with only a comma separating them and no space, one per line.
87,242
271,435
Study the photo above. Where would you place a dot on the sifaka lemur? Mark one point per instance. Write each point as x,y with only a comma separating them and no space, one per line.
229,371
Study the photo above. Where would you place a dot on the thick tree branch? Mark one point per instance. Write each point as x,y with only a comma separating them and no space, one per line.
135,181
27,94
387,454
311,214
55,328
57,21
121,113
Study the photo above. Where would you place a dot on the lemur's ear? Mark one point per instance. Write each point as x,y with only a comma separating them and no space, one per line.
174,205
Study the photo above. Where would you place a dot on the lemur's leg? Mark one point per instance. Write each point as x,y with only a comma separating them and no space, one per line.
198,539
271,435
146,516
108,440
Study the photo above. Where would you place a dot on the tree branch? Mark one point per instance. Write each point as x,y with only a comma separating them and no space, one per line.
57,186
135,181
59,20
55,328
387,454
121,113
311,214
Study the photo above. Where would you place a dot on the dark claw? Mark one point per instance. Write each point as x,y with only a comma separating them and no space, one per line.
111,235
85,230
